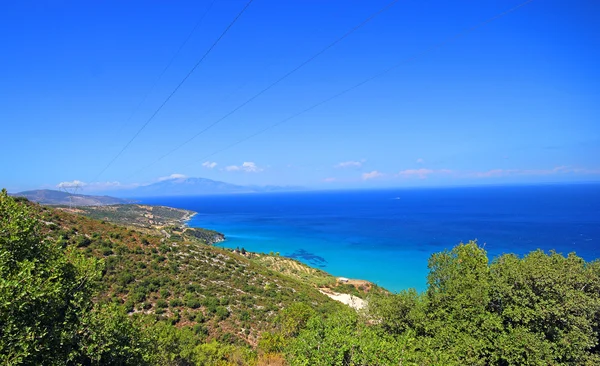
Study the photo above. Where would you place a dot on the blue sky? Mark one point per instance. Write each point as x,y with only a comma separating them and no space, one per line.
514,101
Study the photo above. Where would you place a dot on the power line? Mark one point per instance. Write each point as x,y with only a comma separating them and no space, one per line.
285,76
357,85
164,70
174,90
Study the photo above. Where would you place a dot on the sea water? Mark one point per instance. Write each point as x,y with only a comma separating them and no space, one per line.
387,236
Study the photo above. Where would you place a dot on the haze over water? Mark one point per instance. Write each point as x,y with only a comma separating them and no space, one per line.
387,236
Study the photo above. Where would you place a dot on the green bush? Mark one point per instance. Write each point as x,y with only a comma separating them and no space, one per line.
161,304
192,302
176,302
83,241
46,310
221,312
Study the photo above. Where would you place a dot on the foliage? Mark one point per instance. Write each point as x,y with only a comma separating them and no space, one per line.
110,337
46,313
542,309
110,271
75,290
343,340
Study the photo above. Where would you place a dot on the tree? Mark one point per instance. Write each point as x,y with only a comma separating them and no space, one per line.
550,306
109,337
46,311
458,298
43,290
398,313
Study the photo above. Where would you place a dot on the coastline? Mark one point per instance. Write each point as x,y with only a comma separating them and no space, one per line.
187,218
351,292
371,235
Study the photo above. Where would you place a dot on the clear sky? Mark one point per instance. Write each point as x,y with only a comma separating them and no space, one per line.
514,101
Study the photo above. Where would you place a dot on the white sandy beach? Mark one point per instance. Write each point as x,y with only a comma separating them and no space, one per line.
350,300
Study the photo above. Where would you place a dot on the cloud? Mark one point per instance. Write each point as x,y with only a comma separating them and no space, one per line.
420,161
209,165
493,173
247,166
350,164
372,175
172,176
585,171
94,186
73,184
419,173
423,173
329,180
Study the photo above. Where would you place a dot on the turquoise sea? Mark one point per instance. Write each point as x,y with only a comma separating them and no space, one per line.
387,236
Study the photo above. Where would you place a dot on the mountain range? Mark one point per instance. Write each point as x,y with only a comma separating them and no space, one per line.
197,186
53,197
169,187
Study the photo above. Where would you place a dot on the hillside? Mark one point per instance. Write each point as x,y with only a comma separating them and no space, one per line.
167,222
183,280
144,216
53,197
76,290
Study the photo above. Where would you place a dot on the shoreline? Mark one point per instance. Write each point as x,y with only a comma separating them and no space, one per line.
340,279
345,290
352,301
189,216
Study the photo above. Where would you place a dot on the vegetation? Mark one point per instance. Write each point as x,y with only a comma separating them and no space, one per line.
75,290
164,221
46,312
137,215
204,300
542,309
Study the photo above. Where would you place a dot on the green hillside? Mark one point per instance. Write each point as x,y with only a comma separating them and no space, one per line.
182,281
76,290
167,222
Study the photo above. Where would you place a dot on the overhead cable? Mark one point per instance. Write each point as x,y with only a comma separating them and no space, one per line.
375,76
264,90
164,70
174,90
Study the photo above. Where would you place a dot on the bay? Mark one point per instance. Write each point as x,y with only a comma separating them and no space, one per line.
387,236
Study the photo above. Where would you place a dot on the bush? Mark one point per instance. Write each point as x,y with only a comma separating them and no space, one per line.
193,303
83,241
176,302
221,312
45,297
125,278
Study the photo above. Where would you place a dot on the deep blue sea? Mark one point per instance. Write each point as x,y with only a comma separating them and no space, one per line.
387,236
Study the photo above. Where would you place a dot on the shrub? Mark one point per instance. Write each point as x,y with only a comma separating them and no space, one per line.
193,303
222,312
176,302
83,241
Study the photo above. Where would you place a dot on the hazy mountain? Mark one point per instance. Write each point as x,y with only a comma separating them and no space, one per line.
52,197
276,188
196,186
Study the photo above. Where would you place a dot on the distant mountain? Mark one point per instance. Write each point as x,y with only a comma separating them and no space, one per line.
52,197
276,188
197,186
